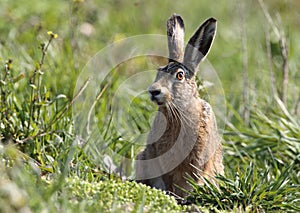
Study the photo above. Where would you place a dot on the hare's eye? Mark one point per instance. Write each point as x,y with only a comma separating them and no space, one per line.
180,75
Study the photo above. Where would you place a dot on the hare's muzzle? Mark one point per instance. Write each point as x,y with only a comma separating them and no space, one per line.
156,95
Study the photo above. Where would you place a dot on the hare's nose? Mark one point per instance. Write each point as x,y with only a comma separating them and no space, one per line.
154,92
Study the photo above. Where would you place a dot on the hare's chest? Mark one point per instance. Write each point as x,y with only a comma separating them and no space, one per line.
167,142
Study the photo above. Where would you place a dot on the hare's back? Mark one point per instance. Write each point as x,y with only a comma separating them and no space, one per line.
206,112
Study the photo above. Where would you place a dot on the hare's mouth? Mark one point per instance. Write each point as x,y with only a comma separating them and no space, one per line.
159,103
158,100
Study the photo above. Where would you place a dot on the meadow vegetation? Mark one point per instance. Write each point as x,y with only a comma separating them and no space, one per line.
46,167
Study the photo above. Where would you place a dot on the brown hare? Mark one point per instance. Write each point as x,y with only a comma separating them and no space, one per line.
183,141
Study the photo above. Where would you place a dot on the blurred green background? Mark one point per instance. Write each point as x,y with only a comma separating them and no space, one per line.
86,27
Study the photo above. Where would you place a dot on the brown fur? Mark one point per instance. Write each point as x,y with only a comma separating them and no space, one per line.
184,132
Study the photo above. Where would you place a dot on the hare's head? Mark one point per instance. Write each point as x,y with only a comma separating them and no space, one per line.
175,82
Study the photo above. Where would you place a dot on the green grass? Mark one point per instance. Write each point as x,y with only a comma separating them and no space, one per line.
46,167
265,159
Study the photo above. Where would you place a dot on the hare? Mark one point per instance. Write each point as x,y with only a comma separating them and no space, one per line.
183,141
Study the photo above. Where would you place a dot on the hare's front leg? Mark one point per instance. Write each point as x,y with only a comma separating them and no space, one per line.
156,182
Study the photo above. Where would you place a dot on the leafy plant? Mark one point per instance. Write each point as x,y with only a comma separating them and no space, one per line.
35,120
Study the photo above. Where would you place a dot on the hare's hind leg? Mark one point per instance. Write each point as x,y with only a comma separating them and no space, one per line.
214,167
215,164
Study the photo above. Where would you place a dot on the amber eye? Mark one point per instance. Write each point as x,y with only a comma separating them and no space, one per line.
180,75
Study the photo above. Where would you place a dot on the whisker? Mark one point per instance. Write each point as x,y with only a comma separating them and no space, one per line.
175,114
180,120
170,113
188,120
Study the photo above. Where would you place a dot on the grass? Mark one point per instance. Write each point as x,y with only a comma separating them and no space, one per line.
258,182
46,167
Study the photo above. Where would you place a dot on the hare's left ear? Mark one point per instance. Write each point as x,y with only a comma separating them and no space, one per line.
199,44
175,33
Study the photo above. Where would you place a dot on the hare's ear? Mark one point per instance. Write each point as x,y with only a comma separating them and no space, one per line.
175,33
199,44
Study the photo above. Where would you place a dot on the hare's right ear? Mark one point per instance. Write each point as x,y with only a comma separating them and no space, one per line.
175,33
199,44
